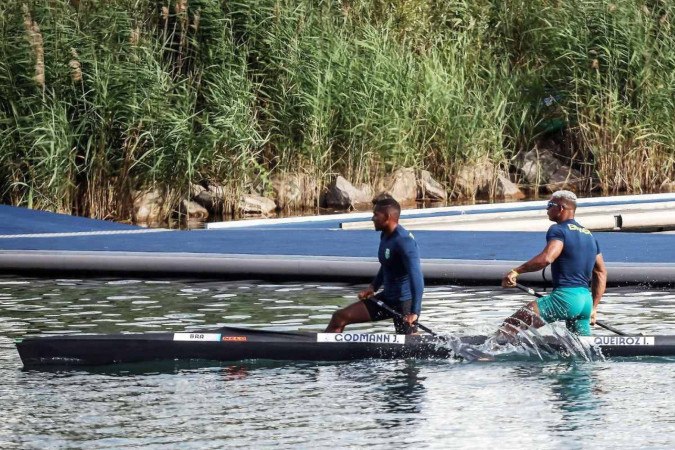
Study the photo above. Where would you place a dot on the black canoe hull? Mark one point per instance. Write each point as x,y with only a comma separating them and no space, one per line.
129,348
232,344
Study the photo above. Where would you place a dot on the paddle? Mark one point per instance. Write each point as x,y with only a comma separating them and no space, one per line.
597,322
397,314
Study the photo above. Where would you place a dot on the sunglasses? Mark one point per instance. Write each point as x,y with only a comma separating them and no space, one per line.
550,205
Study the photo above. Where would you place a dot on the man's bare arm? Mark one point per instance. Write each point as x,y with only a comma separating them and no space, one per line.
550,253
599,280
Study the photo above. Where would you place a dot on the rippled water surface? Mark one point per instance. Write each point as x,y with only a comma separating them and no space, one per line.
552,403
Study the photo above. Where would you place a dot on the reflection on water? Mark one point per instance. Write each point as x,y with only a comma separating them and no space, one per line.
404,391
574,390
397,393
556,402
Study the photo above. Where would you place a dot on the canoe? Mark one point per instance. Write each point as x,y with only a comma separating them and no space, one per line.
238,344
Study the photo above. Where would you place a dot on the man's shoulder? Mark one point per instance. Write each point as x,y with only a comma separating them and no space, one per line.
557,227
568,226
403,239
557,231
400,233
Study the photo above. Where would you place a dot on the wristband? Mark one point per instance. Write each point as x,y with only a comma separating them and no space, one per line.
514,271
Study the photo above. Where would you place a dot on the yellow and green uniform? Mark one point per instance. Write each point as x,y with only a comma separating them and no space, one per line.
572,271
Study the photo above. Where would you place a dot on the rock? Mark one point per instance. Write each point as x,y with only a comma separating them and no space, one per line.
211,198
343,195
297,190
667,186
474,179
196,189
402,185
538,165
506,189
256,204
287,191
150,207
205,199
193,211
565,178
430,189
560,152
217,191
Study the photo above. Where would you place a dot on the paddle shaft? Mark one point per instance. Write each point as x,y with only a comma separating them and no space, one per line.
610,328
397,314
597,322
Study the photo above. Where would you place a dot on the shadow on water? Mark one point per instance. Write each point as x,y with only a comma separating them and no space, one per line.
163,367
404,390
575,391
400,394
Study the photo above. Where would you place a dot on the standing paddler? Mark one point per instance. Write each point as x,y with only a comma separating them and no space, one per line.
400,276
576,265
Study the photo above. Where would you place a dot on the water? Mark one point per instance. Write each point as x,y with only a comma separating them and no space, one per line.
554,403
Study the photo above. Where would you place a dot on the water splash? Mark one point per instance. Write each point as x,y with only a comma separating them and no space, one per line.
460,350
551,342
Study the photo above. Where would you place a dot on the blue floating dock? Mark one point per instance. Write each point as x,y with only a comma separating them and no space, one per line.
311,247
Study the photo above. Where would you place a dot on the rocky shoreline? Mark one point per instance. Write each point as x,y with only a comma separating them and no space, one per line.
542,170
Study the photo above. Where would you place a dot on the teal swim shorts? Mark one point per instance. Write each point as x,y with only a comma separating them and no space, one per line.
571,304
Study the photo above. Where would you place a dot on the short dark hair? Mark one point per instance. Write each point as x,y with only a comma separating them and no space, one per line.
388,203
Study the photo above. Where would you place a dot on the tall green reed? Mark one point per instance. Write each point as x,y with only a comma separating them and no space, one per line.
103,98
611,64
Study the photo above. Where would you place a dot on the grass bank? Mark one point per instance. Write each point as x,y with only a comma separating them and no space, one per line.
101,98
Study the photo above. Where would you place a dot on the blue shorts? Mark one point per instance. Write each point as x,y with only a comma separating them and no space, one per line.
571,304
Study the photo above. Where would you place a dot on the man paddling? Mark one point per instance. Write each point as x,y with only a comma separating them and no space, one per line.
400,275
576,264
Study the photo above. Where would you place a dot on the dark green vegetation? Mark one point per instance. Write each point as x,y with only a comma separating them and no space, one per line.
100,98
